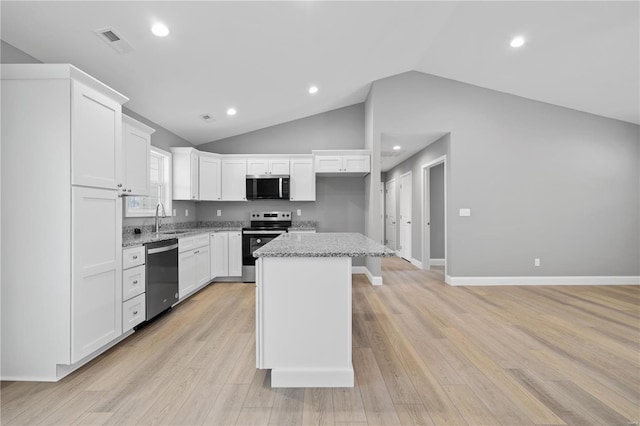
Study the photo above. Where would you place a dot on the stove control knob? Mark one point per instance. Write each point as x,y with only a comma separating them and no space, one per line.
258,241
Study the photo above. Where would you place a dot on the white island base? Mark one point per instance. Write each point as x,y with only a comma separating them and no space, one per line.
303,321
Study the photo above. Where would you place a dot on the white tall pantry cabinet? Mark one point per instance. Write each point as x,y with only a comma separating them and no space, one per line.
61,233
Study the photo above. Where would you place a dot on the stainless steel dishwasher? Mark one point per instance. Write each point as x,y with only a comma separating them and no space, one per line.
162,276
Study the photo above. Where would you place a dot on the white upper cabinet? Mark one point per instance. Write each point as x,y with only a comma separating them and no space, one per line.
303,179
96,138
186,163
268,166
356,162
234,172
210,178
136,147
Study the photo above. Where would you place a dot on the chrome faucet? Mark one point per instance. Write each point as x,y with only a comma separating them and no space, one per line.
164,214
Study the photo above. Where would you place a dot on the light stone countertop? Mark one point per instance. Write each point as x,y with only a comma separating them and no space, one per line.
131,240
329,244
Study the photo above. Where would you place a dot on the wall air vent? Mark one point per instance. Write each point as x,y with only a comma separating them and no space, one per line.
115,41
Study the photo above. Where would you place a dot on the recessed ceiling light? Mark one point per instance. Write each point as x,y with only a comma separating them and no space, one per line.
313,90
231,111
397,147
159,29
517,41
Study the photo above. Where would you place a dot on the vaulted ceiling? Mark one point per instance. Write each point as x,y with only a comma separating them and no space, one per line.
261,57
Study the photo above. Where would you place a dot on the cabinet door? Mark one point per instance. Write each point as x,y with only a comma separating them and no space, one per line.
96,139
137,155
356,163
194,160
234,179
328,163
303,180
96,283
219,255
257,166
202,266
279,166
235,253
186,273
209,178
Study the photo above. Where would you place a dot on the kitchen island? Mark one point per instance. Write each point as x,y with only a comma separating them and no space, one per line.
303,307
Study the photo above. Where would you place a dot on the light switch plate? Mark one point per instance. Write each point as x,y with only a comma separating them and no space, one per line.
299,212
218,212
186,212
465,212
174,213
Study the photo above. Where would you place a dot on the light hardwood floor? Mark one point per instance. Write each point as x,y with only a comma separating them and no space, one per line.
423,352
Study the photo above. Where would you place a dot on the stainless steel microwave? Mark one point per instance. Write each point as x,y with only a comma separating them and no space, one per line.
267,187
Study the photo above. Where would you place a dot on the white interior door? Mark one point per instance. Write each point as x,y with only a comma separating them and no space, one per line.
390,201
405,216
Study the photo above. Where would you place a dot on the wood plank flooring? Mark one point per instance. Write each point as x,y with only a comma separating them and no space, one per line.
424,353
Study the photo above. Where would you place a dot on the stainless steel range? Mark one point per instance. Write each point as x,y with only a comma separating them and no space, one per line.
265,226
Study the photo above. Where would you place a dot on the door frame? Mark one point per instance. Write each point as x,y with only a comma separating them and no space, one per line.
410,224
386,211
426,230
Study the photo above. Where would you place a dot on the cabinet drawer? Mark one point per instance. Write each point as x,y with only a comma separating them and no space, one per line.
189,243
133,282
133,312
133,256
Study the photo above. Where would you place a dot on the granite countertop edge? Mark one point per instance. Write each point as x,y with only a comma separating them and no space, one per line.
323,245
133,240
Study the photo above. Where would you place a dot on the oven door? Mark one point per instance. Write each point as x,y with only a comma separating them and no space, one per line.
252,241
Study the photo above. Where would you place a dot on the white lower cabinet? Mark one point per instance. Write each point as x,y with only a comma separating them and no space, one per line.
235,253
133,312
193,264
96,283
134,284
226,254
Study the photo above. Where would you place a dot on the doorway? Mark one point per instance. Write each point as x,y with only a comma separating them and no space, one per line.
405,216
434,214
390,219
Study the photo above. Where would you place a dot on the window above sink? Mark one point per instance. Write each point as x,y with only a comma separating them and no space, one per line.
160,188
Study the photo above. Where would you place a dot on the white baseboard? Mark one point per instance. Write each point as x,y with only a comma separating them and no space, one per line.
416,262
436,262
374,280
496,281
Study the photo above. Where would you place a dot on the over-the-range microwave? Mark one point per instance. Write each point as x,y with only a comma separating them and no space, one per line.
268,187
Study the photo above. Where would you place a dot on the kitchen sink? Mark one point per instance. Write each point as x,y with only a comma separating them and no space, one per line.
174,232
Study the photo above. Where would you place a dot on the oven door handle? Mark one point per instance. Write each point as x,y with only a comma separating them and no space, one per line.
263,232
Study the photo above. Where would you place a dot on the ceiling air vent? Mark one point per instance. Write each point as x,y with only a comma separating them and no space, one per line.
115,41
208,118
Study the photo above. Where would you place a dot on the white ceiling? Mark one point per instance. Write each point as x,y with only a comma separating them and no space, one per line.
260,57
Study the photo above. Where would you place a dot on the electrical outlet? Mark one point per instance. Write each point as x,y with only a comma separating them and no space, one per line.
299,212
186,212
174,213
465,212
218,212
536,262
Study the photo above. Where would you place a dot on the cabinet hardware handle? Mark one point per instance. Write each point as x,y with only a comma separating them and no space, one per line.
135,257
135,282
135,312
128,190
196,252
119,185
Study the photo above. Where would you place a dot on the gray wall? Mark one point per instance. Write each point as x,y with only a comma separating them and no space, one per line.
12,55
541,180
436,204
339,206
338,129
414,165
